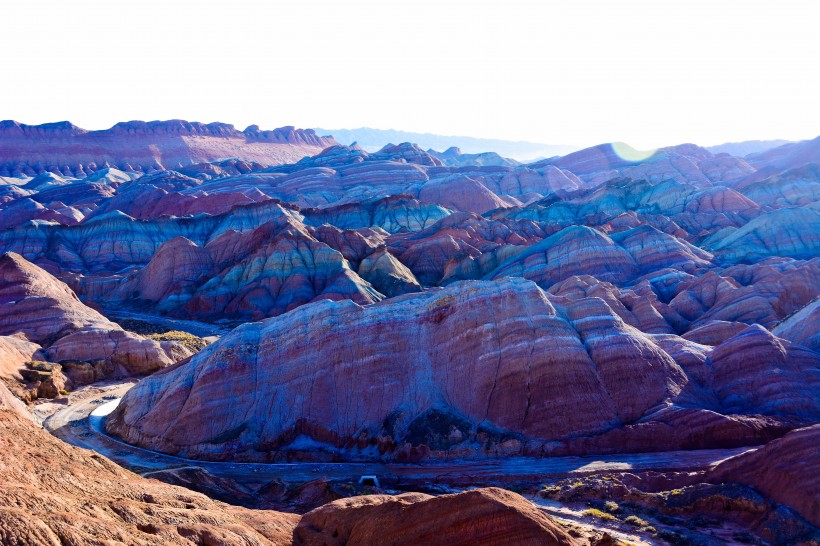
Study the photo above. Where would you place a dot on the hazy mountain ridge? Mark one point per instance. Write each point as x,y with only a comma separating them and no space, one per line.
374,139
746,147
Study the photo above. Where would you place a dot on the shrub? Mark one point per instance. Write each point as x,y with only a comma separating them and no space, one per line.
599,514
642,524
41,366
190,341
611,507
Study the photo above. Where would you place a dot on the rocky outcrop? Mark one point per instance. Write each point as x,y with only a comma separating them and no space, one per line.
387,274
290,270
541,369
36,305
481,516
15,352
786,470
392,214
68,150
406,152
573,251
801,327
460,192
795,187
461,236
528,184
763,293
116,241
252,275
793,232
170,193
741,369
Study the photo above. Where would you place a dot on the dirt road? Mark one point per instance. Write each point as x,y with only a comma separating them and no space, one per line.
80,423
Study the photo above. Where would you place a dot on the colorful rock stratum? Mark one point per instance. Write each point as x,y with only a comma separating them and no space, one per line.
403,306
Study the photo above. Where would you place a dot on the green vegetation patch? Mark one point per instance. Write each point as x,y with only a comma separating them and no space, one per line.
190,341
599,514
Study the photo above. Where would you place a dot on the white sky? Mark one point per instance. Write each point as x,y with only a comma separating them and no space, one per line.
649,72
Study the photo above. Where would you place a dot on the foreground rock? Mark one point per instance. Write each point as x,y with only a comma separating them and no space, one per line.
482,516
478,368
52,493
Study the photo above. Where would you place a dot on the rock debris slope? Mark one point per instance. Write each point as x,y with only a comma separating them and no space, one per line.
52,493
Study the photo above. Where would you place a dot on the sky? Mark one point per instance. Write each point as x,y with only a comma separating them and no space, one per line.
581,72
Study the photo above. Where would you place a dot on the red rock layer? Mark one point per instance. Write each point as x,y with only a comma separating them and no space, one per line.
483,517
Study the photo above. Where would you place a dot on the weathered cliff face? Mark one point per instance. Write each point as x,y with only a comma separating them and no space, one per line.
68,150
15,352
786,470
481,367
801,327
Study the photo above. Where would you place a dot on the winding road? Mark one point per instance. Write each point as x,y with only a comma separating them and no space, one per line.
81,424
195,327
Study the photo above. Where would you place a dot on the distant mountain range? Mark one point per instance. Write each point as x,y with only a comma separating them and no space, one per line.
64,148
741,149
374,139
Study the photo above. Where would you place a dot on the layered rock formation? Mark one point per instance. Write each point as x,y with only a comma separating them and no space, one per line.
260,273
674,306
38,305
66,149
801,327
15,352
42,311
352,189
524,353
